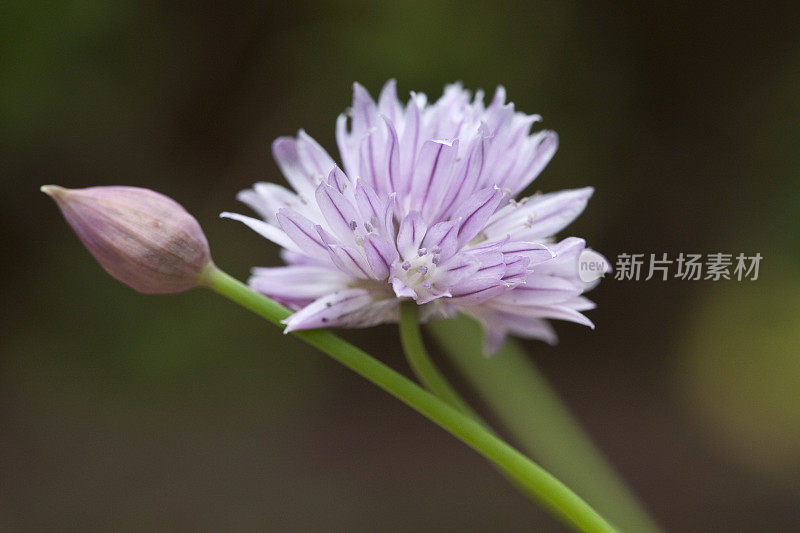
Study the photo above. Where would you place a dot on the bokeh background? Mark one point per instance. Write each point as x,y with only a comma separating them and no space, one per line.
128,412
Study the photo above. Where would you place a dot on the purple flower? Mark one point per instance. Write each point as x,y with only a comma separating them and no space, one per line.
422,209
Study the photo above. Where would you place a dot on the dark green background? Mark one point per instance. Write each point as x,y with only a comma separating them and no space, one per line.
128,412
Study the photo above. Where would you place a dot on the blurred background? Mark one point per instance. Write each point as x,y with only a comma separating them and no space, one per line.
128,412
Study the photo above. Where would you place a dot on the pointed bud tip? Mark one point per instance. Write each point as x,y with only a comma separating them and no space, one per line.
53,190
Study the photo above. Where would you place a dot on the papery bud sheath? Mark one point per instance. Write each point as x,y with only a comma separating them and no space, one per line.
142,238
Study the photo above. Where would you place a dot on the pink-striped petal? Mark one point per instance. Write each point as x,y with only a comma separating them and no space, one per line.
341,308
339,213
539,216
410,235
303,232
472,216
431,175
380,255
297,286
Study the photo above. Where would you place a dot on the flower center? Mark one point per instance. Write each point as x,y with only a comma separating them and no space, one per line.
418,271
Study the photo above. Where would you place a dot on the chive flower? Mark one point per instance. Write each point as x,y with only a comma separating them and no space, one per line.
422,208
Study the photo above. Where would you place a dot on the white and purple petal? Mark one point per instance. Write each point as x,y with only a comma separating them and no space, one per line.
538,217
344,308
476,211
297,286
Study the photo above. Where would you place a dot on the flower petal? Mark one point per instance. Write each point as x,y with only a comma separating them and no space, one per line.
339,213
472,216
466,175
431,175
372,163
341,308
388,103
560,311
370,207
541,147
538,216
401,290
565,263
303,232
339,180
491,262
517,268
499,325
348,147
380,254
267,198
535,252
315,160
298,166
365,112
539,289
266,230
349,259
456,269
410,235
410,140
297,286
392,179
581,303
475,290
443,236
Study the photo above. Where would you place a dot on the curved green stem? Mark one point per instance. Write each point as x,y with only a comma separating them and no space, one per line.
420,362
525,404
547,489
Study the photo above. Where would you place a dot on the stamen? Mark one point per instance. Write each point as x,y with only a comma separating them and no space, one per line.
422,270
529,222
406,265
422,251
353,225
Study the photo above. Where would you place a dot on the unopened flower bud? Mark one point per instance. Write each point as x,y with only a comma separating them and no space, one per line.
142,238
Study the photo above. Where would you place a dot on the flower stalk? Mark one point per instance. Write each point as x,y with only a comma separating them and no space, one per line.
421,363
536,481
506,381
526,405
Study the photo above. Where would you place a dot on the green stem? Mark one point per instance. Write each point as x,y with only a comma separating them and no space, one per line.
526,404
547,489
420,362
426,371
